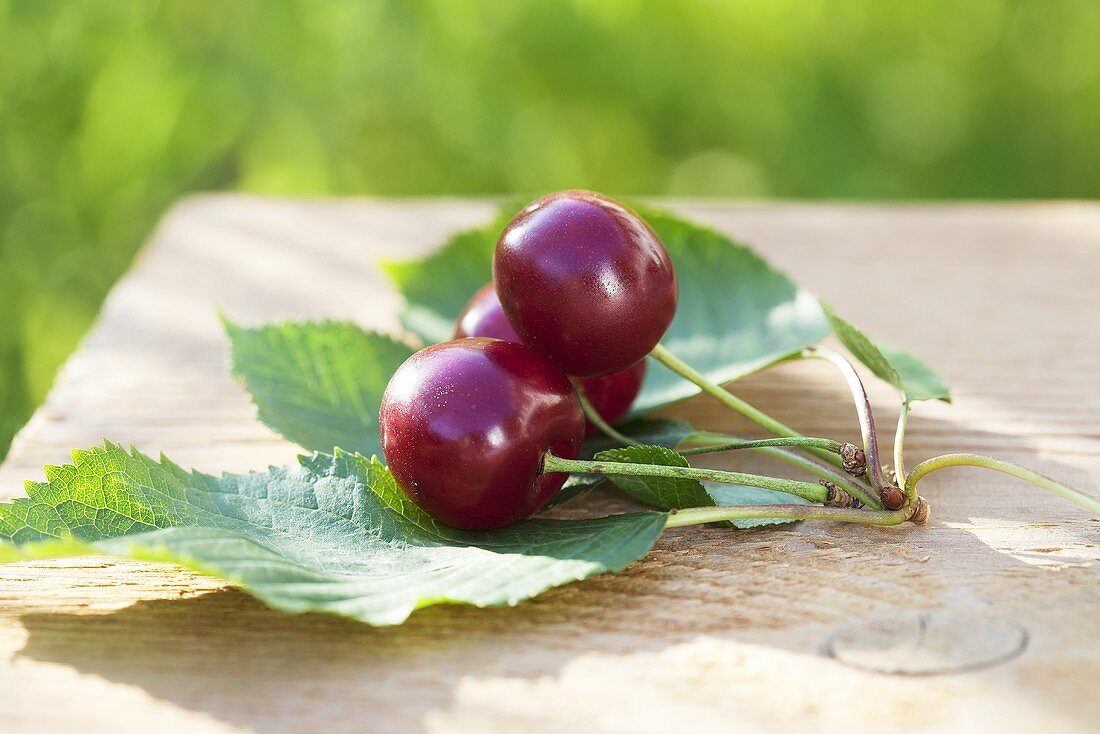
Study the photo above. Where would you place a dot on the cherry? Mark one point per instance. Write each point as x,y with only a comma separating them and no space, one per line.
610,395
465,425
484,316
585,281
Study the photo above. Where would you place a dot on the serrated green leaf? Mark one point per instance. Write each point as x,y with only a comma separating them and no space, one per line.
319,384
333,534
666,493
676,493
911,377
736,314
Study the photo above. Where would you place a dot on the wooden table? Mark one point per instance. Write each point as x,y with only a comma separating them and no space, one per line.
715,630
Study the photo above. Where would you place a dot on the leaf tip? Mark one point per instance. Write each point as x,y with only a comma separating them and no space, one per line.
392,269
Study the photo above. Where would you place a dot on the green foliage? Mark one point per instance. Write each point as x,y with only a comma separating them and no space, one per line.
333,534
318,384
911,377
111,110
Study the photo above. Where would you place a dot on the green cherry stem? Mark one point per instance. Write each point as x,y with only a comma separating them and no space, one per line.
924,468
811,492
836,477
757,416
597,420
701,515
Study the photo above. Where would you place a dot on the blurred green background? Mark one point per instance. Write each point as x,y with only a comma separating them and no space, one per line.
110,110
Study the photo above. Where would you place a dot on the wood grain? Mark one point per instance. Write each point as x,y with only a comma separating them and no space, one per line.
714,631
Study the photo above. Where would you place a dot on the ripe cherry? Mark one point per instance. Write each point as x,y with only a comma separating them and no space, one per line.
585,281
611,395
484,317
465,425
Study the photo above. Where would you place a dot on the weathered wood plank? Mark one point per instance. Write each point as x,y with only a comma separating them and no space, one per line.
715,630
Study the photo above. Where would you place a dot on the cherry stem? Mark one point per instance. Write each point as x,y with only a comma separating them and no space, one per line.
863,410
597,420
732,444
1091,504
838,478
757,416
701,515
812,492
899,443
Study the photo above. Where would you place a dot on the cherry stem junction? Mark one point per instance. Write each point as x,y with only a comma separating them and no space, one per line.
924,468
812,492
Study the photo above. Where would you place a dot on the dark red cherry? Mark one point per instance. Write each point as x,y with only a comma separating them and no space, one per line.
585,281
484,317
611,395
464,427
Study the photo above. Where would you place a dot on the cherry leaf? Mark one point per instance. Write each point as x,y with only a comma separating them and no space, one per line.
332,534
319,384
910,376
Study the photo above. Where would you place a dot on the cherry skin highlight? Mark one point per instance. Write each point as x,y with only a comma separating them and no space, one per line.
464,427
585,281
610,395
